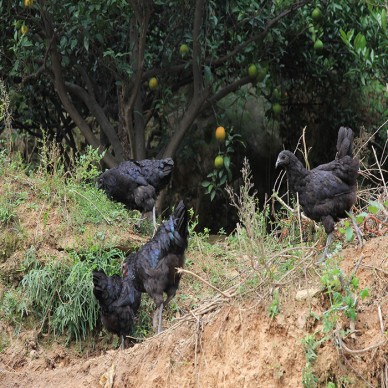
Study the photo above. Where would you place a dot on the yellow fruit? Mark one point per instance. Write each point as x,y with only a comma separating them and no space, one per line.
24,29
318,45
28,3
220,134
183,50
153,83
218,162
252,71
316,14
277,108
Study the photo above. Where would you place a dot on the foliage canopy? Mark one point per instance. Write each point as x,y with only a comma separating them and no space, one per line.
80,71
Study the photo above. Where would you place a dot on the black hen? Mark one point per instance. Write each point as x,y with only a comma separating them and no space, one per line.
119,302
153,269
137,183
328,191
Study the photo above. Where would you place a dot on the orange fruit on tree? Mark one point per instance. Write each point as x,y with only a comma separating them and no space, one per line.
28,3
183,50
153,83
220,134
218,162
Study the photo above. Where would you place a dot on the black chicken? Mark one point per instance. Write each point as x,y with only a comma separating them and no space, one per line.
137,183
327,192
153,269
119,302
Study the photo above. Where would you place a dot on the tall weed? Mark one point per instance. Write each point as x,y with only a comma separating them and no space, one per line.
60,293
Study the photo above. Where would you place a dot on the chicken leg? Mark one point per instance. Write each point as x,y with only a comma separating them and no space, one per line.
157,319
154,219
328,242
122,345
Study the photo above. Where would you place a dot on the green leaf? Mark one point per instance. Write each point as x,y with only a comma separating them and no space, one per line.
351,313
205,183
86,43
73,43
212,195
349,235
384,19
361,217
344,37
355,282
227,162
374,207
364,293
359,42
349,301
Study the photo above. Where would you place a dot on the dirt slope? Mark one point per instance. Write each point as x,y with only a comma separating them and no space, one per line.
235,345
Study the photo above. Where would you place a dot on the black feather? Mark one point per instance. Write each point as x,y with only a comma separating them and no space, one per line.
137,184
328,191
153,269
119,302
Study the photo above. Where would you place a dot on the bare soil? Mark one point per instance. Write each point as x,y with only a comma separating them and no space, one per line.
234,345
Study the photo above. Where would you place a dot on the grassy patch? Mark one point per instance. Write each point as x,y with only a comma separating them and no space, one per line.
59,293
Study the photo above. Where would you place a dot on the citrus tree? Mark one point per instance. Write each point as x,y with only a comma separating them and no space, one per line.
104,71
117,73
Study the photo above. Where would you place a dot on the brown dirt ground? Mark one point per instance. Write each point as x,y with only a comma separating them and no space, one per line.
235,345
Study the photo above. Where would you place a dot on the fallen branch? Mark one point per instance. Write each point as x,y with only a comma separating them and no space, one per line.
381,319
358,351
181,270
375,268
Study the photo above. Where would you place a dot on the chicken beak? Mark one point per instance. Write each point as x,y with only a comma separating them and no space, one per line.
277,163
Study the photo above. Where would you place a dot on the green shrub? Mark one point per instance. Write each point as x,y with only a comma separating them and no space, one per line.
61,292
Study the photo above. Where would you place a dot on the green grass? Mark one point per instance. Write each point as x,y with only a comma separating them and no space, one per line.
54,296
59,293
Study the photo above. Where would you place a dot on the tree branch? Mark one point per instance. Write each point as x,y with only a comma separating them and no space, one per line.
197,68
88,97
239,48
134,107
262,34
42,68
187,119
230,88
64,97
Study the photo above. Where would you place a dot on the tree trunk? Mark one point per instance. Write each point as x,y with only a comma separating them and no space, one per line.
60,88
138,120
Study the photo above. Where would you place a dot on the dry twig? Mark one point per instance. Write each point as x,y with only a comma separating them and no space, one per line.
358,351
181,270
